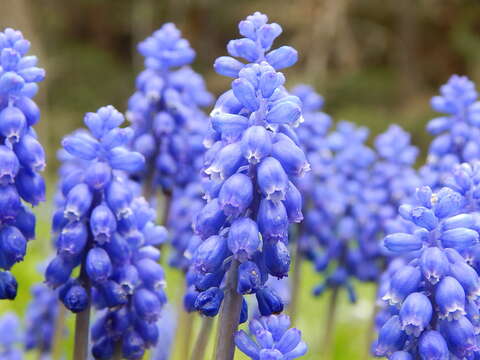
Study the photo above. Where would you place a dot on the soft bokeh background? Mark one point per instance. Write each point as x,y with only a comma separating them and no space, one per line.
376,62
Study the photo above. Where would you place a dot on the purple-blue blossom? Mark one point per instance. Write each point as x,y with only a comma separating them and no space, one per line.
105,227
250,167
166,111
433,293
270,337
22,157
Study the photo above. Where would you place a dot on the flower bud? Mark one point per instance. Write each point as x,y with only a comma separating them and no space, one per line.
133,346
432,346
12,124
283,57
9,166
434,264
291,157
243,239
403,282
76,299
450,298
78,202
13,247
277,258
272,179
391,337
210,219
211,254
256,144
268,301
102,224
30,186
226,162
236,194
460,337
98,265
459,238
208,302
415,313
151,273
98,175
245,93
272,220
72,240
249,280
227,66
8,286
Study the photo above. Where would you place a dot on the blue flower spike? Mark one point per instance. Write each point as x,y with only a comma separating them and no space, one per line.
22,157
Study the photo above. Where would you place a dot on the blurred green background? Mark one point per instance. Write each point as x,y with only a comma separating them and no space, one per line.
376,62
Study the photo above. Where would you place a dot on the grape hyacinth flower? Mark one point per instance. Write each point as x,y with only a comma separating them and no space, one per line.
165,111
433,298
251,164
40,319
457,131
10,337
103,227
271,338
21,155
134,323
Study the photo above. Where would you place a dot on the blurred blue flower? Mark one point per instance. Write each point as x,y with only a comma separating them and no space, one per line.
10,338
165,111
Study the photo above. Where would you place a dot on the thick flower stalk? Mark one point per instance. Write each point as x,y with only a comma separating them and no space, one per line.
102,226
41,317
457,131
433,298
251,164
22,157
271,338
10,337
165,111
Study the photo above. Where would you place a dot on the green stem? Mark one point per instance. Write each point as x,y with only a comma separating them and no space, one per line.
82,323
296,278
229,316
202,340
117,351
57,348
330,324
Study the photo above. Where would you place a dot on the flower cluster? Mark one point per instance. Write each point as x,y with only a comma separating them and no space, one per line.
274,339
40,319
343,171
457,131
353,190
21,155
433,298
10,337
165,111
105,227
253,159
133,323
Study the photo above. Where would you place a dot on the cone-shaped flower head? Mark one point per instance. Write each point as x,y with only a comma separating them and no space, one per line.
104,226
252,161
165,111
22,157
